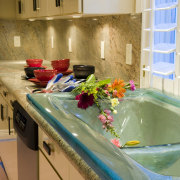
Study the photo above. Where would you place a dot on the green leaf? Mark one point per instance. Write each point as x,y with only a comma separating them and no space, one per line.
103,82
91,79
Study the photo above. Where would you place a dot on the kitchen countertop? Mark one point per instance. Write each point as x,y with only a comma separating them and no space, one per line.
10,77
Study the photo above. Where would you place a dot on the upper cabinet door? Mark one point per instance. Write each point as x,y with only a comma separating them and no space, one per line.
7,9
37,8
101,7
71,7
22,9
54,7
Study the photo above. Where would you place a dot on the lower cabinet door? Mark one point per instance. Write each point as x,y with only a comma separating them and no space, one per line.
46,171
3,114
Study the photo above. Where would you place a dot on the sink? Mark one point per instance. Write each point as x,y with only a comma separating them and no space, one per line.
132,123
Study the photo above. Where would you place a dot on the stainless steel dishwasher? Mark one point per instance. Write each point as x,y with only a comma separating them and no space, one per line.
27,143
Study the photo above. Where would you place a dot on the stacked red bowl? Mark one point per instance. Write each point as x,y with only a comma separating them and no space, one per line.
44,75
61,65
34,62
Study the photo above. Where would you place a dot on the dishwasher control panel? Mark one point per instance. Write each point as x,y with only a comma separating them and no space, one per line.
25,127
21,121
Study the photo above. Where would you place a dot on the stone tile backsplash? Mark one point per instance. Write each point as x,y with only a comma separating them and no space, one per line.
86,35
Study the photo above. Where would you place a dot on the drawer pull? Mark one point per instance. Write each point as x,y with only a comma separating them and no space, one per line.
58,3
9,125
4,93
12,103
19,7
2,112
34,5
47,148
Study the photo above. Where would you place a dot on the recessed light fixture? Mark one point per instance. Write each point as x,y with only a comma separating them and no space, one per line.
76,16
94,19
49,18
31,19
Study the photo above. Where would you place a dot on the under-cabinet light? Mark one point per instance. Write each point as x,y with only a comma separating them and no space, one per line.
49,18
31,19
94,19
76,16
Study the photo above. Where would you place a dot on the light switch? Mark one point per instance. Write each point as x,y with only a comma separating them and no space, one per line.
129,54
102,50
70,45
17,41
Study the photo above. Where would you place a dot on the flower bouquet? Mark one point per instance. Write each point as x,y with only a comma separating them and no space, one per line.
96,92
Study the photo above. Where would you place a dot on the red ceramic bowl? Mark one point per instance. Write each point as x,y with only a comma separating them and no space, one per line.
44,74
34,62
61,65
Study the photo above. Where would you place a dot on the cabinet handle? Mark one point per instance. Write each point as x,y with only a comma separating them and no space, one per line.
12,103
58,3
46,147
19,7
2,113
9,125
4,93
34,5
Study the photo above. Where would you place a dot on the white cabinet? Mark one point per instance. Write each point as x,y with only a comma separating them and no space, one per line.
46,171
54,8
44,8
6,110
108,7
37,8
7,9
62,166
3,114
22,9
72,7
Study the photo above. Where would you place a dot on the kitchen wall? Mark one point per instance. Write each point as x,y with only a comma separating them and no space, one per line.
86,35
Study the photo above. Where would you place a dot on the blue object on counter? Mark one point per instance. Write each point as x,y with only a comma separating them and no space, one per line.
68,89
55,79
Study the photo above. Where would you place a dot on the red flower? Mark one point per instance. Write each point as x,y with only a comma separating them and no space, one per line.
85,100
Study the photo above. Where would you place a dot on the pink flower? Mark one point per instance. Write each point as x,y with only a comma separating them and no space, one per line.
131,82
107,111
114,93
132,85
102,118
107,92
110,118
116,142
85,100
104,126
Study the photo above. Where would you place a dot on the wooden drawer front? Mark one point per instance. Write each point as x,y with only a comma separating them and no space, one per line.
62,165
